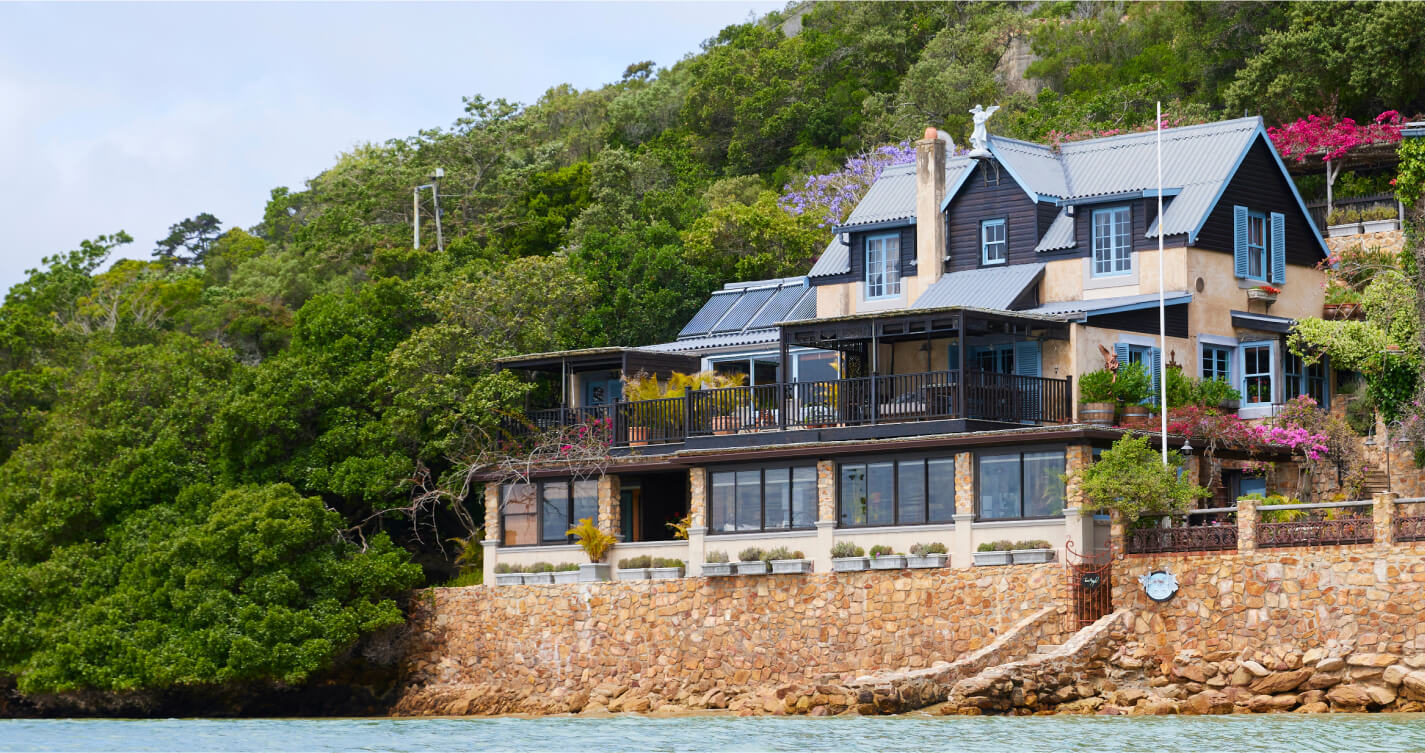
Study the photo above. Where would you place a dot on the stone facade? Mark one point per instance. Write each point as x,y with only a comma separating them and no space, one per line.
1391,241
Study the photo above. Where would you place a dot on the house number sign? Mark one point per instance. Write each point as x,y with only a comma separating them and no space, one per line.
1159,585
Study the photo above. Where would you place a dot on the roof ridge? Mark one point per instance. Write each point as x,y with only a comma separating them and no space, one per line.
1175,130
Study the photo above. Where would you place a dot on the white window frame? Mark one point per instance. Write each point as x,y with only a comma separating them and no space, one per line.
1002,243
883,271
1264,249
1116,260
1259,410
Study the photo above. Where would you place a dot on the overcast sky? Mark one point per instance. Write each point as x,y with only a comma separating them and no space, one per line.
134,116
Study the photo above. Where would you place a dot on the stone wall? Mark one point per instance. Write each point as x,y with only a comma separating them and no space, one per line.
699,642
1390,240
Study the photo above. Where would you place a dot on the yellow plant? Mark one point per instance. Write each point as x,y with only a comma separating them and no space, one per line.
680,527
645,386
596,543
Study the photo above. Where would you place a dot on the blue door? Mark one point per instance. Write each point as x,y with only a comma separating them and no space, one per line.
601,391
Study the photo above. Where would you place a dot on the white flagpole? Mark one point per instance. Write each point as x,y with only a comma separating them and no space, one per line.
1162,312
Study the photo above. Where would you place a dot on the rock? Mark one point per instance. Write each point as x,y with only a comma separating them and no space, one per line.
1242,676
1330,664
1217,681
1129,696
1412,685
1207,702
1313,708
1415,661
1280,682
1394,674
1381,696
1238,696
1312,696
1158,706
1256,669
977,685
594,708
1320,680
1158,681
1313,655
1371,660
1194,672
1352,697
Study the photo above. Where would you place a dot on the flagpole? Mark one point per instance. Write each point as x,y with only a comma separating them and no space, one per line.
1162,312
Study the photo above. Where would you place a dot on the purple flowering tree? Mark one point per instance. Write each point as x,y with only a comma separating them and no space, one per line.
832,196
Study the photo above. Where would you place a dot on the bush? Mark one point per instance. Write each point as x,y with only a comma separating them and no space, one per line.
567,567
844,549
468,578
1032,544
635,563
1130,478
1134,385
668,562
880,550
1208,393
596,543
1214,392
921,550
1003,545
504,568
780,553
541,567
1096,387
716,557
750,554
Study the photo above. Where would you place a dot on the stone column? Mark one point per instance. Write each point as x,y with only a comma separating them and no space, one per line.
1078,523
1246,525
491,543
963,553
697,519
1117,535
1383,517
825,516
609,507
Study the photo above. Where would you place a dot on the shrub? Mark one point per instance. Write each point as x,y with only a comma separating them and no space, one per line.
1032,544
541,567
880,550
1208,393
1214,392
668,562
1003,545
468,578
844,549
1134,384
986,546
567,567
750,554
504,568
1130,478
635,563
1096,387
780,553
596,543
1340,217
716,557
921,550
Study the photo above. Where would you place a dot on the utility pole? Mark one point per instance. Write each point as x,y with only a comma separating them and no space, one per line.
434,186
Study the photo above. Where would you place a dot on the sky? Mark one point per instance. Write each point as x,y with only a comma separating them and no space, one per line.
133,116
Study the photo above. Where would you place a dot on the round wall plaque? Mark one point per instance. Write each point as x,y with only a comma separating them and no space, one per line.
1159,585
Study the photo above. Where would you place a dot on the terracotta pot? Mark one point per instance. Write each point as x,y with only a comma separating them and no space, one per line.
723,425
637,436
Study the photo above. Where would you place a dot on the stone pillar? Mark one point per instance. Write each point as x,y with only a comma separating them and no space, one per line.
963,553
697,519
609,507
1383,517
491,543
1117,535
1078,523
825,516
1246,525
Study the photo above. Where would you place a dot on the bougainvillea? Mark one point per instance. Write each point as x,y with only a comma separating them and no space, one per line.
833,195
1320,136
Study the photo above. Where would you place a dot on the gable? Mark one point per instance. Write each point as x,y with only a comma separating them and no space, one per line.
977,201
1260,185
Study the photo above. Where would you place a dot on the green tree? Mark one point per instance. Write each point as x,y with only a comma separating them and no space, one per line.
188,241
1131,479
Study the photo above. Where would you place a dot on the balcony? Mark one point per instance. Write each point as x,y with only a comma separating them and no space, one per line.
830,404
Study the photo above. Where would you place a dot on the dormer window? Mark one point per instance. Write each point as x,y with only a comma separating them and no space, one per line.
883,268
1112,249
993,248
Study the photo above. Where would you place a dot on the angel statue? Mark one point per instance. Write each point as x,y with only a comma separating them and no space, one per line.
1110,363
980,139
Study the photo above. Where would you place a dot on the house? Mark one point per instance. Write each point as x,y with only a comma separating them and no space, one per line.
918,384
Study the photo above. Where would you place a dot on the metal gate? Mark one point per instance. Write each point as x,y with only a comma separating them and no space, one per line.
1090,585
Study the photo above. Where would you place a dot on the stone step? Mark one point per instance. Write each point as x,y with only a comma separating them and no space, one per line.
1047,648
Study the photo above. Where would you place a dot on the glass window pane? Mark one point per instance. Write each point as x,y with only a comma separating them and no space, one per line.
778,491
942,489
586,501
749,500
853,495
910,491
520,522
999,486
1043,487
803,497
881,493
722,516
554,515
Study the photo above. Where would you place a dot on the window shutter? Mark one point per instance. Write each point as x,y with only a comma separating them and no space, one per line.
1026,358
1239,241
1156,362
1278,248
1121,350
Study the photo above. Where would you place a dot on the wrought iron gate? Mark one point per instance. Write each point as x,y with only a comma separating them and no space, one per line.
1090,585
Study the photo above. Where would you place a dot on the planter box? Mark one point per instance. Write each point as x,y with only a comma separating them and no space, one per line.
1378,226
793,567
919,561
849,564
538,579
665,573
1261,295
717,569
1337,231
888,562
509,579
1032,556
751,568
993,558
566,576
593,572
632,573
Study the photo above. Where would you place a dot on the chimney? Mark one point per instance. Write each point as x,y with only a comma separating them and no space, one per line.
929,192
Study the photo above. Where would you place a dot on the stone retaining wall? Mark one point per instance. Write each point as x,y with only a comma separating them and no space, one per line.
699,642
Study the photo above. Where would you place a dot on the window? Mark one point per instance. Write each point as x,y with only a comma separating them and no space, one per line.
763,499
543,513
1311,381
993,249
1257,374
883,266
1020,484
1217,363
998,359
897,492
1112,251
1256,246
1147,355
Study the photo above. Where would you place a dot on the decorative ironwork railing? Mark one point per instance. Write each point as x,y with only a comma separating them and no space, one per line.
1202,538
1316,532
1410,528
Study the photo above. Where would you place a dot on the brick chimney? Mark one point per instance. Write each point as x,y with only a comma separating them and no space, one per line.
929,225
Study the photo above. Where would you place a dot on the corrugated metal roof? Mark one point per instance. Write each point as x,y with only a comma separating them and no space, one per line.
1100,305
1035,164
746,307
994,288
712,311
891,197
709,342
835,260
1060,234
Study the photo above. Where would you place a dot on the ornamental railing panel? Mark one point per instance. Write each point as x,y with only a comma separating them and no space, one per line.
1410,528
1316,532
1209,538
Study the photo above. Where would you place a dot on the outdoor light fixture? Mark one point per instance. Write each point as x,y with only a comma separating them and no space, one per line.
1187,448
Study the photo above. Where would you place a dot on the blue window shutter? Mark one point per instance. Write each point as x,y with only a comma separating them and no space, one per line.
1278,248
1026,358
1156,362
1121,350
1239,241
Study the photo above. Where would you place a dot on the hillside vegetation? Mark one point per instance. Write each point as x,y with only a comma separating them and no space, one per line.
206,459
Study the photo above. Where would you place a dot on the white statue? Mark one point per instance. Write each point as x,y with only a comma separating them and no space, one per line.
980,139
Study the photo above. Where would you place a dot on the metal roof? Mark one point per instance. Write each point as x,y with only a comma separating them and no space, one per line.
1109,305
1262,322
781,304
710,314
747,306
745,313
1035,166
890,198
1060,234
710,342
994,288
835,260
804,309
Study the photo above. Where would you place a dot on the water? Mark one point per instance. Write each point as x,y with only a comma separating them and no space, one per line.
1285,732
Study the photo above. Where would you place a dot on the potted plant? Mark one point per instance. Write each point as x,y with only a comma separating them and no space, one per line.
715,565
596,545
993,553
508,575
885,558
1096,400
567,572
1265,293
540,573
819,416
1343,222
1133,389
1378,219
667,568
750,562
927,555
634,568
846,557
786,561
1032,552
1217,393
